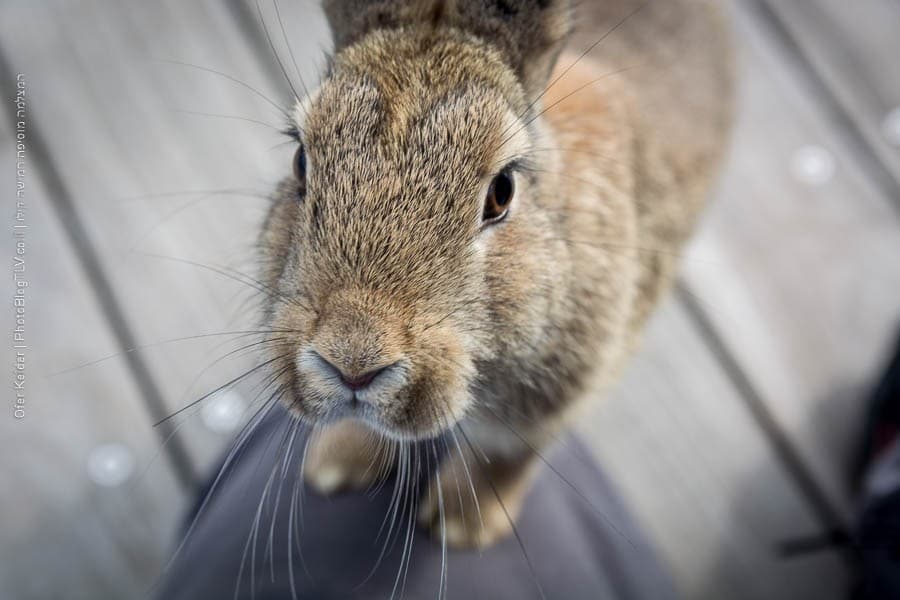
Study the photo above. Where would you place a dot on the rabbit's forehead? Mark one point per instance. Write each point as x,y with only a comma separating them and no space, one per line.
393,95
359,137
357,115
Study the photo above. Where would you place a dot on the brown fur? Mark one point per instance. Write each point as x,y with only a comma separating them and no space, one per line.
497,331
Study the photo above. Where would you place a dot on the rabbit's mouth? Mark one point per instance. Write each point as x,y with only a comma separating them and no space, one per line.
395,399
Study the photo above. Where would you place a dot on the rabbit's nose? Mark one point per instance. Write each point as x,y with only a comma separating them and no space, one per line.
355,380
358,382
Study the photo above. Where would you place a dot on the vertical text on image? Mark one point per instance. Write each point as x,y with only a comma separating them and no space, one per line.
19,274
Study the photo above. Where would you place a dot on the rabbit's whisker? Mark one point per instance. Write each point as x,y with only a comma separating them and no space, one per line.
237,276
220,388
240,440
198,113
265,28
515,530
241,192
237,334
563,99
177,428
580,57
233,79
290,49
562,477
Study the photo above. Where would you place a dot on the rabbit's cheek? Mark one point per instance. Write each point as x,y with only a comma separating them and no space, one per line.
433,402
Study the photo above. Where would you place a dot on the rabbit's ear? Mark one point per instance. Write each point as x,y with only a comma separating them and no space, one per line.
529,33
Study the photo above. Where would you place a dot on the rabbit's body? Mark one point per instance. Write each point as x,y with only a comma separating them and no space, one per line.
389,272
678,83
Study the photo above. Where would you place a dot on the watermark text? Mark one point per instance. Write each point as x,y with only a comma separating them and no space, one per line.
20,252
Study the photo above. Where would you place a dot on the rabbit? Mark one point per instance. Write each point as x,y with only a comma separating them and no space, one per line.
487,201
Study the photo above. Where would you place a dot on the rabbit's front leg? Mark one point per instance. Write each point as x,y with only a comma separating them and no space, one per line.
476,495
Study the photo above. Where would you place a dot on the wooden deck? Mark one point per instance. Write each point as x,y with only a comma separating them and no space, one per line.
730,435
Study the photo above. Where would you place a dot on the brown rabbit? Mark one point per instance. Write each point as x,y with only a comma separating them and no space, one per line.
478,226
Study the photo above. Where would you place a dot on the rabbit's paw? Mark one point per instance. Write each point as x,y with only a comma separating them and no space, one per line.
471,505
345,456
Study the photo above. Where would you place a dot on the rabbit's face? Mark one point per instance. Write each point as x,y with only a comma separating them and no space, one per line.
409,252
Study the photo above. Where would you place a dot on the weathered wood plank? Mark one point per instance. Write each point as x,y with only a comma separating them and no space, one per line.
799,278
854,48
62,532
100,84
700,476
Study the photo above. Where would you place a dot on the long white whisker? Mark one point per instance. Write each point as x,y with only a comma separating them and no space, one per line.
440,497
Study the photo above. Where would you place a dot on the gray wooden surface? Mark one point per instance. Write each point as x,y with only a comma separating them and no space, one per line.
729,435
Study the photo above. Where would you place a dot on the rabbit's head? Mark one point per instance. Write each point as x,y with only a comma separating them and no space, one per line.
408,256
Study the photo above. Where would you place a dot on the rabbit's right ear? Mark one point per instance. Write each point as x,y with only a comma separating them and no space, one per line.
529,33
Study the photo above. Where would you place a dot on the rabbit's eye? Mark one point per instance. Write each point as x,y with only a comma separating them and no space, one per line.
300,166
499,196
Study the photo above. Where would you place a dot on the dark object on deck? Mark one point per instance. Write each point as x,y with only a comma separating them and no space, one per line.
878,538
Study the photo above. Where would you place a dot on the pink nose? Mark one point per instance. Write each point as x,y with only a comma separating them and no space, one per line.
357,381
360,381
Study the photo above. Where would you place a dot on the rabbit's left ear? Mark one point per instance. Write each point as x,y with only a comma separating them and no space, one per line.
529,33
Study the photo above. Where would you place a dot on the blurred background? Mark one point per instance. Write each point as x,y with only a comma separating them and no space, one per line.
151,144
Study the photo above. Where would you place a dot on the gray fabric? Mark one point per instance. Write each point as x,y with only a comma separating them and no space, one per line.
581,544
